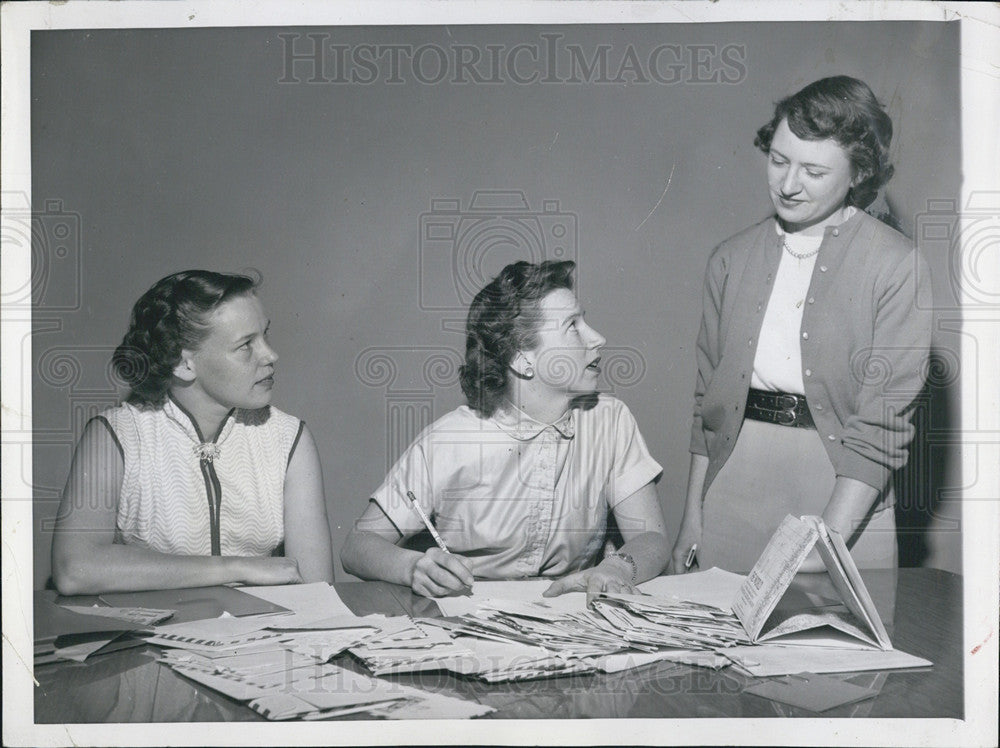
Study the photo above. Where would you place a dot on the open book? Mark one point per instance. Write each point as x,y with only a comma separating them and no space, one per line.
757,603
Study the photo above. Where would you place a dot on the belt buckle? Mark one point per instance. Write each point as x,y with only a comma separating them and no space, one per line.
785,417
787,401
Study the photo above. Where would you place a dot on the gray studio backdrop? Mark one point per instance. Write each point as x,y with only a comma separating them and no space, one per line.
377,176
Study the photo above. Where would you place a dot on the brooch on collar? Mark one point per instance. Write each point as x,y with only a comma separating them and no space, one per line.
207,451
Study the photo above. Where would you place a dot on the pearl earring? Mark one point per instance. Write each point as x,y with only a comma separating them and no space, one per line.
528,372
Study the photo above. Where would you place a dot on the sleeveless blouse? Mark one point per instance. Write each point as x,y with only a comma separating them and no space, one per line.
228,502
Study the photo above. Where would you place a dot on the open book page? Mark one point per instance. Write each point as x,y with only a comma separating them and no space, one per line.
846,578
773,572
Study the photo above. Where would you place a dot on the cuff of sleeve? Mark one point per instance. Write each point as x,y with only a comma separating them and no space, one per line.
853,465
698,444
641,474
400,515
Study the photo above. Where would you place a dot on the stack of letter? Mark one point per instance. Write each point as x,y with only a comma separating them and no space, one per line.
279,664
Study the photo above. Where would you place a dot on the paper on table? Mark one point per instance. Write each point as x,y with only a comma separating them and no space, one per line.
824,637
309,622
628,660
714,587
318,597
425,705
211,629
141,616
214,633
774,659
193,603
80,651
824,622
525,590
248,665
773,572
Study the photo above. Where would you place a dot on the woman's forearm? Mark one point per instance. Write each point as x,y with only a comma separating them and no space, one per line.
370,556
124,568
849,504
649,550
696,485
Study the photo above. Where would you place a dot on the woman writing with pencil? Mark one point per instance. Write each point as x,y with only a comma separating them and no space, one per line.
519,482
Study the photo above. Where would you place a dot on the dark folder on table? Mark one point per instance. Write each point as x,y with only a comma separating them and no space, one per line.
195,603
56,628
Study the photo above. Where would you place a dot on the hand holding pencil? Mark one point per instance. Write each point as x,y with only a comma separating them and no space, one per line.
438,572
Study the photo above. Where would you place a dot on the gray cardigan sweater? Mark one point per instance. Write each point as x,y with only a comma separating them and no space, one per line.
865,339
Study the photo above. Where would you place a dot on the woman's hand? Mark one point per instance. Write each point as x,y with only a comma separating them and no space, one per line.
691,522
439,574
611,575
688,537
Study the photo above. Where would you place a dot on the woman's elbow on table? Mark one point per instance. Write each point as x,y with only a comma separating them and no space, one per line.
72,571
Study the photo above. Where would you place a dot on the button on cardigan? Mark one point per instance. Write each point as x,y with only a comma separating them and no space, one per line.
864,361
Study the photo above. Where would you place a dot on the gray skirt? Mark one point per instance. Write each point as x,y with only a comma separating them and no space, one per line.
774,471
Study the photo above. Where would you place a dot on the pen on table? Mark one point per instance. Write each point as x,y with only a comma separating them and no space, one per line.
691,556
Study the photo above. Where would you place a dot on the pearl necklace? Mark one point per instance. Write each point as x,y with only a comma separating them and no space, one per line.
797,255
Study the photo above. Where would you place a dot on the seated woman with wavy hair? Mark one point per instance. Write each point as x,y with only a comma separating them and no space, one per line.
519,482
197,479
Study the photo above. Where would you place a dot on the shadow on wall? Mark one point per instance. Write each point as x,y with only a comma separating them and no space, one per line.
929,476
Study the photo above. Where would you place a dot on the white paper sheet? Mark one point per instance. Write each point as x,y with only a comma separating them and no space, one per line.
627,660
525,590
318,597
714,587
774,659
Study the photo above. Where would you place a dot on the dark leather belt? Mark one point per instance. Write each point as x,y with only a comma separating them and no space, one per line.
782,408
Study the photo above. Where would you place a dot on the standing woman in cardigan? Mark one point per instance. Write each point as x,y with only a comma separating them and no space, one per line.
196,479
814,339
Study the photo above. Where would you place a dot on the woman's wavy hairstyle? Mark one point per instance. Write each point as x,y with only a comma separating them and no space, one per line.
846,110
169,317
503,320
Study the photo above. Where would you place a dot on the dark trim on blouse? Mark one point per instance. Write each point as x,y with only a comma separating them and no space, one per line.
298,434
194,423
114,436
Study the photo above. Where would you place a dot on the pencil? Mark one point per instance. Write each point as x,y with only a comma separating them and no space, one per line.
691,557
427,522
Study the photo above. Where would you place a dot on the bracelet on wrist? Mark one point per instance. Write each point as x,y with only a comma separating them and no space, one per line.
630,561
